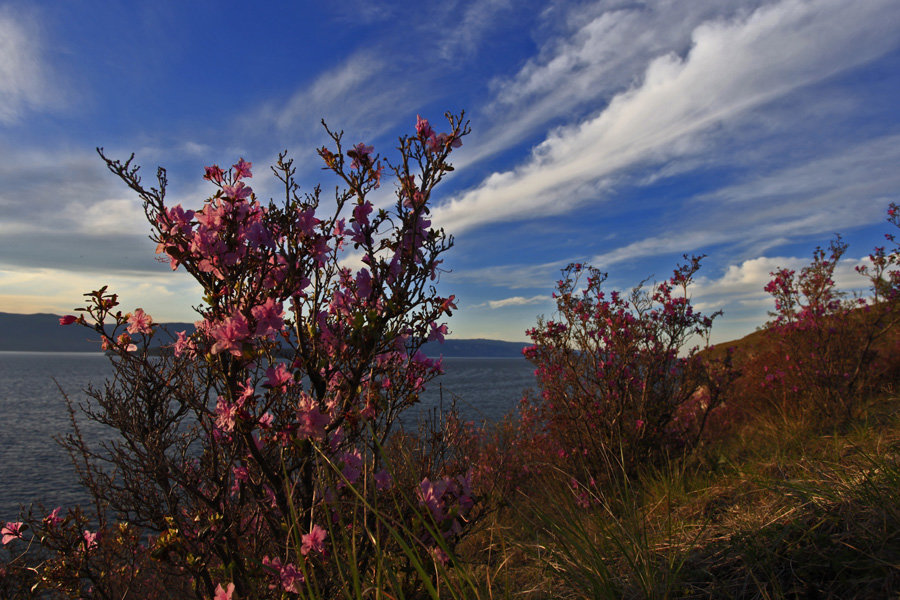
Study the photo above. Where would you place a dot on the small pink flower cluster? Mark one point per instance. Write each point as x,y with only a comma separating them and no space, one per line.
448,502
435,142
11,531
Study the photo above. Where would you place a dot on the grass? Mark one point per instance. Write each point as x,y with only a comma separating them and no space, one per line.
778,511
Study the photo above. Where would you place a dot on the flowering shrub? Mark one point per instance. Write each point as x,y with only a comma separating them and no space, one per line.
832,351
618,387
247,452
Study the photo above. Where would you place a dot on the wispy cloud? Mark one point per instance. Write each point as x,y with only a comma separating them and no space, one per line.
364,95
476,21
733,66
329,91
833,193
510,276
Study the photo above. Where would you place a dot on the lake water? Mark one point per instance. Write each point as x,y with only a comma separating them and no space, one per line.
33,467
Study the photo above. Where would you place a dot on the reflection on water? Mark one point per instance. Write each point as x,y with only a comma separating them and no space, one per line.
34,468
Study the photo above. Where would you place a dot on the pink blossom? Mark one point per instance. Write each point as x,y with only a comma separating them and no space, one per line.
242,169
269,318
313,541
361,214
423,128
224,593
140,322
360,155
431,494
320,250
311,422
230,334
124,341
443,140
175,220
212,217
238,191
437,333
439,555
448,304
241,474
383,480
247,392
90,539
416,200
184,344
352,465
214,173
307,221
226,414
53,519
369,411
278,376
290,577
363,284
67,320
11,531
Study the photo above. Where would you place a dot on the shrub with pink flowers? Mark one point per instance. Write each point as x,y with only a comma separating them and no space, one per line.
248,457
619,385
833,351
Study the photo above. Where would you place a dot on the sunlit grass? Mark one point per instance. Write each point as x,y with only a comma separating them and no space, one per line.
780,512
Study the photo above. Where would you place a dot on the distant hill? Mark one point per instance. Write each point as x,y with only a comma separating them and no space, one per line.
480,348
43,333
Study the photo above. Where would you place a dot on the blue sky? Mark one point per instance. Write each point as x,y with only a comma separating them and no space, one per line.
623,134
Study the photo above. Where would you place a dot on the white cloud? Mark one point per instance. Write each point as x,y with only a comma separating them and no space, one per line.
168,296
114,215
739,292
516,301
732,67
24,76
65,191
742,284
601,53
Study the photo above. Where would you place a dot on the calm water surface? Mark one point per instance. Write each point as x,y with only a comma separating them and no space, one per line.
34,468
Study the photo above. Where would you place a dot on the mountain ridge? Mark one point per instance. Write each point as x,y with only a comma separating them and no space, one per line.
41,332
